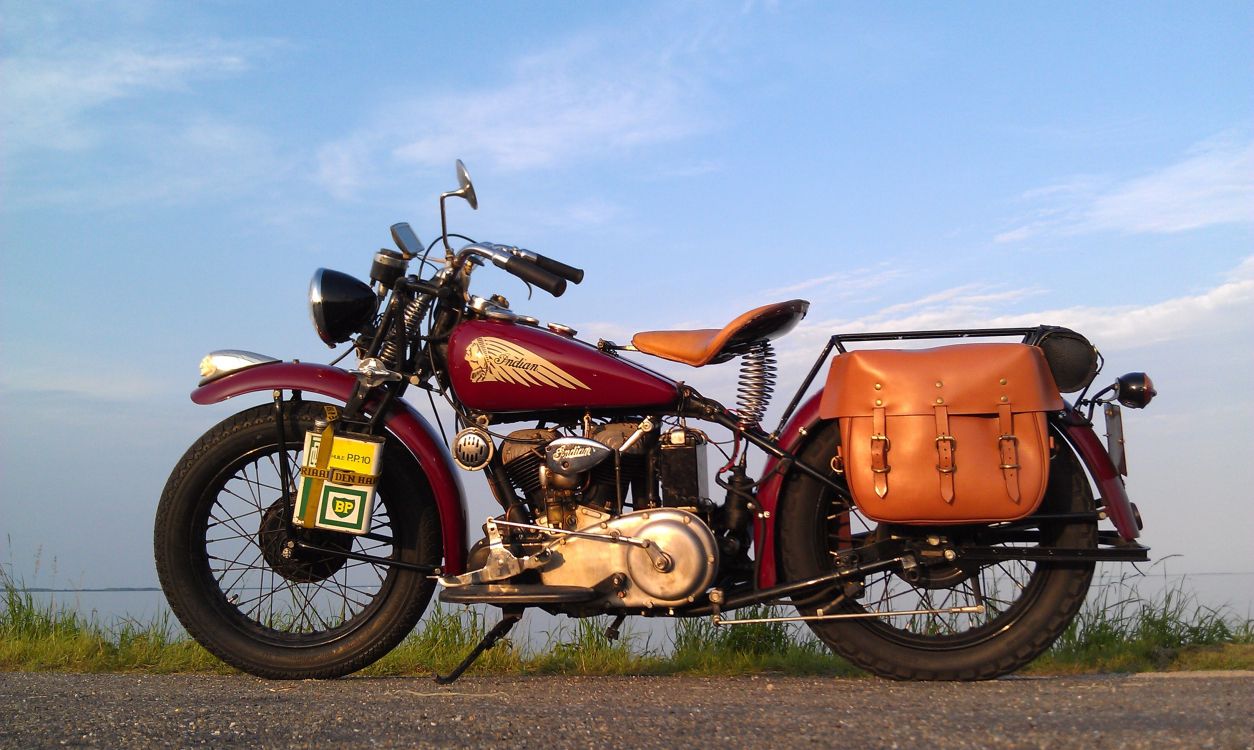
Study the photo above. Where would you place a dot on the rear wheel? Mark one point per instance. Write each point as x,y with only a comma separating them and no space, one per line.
236,580
1022,606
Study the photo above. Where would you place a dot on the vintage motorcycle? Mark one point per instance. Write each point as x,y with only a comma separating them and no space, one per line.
928,512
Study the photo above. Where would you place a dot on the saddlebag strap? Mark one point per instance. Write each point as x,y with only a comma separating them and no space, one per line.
945,447
1008,444
879,451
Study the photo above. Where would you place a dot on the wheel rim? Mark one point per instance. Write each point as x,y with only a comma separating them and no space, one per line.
306,600
1005,590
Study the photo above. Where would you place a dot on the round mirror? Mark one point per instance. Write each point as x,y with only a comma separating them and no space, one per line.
467,189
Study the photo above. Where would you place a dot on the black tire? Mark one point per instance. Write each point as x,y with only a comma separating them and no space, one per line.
1015,628
218,541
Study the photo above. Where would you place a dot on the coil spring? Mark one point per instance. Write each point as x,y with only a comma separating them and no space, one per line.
757,383
411,318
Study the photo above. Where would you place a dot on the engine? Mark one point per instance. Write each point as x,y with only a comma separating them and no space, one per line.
621,481
614,466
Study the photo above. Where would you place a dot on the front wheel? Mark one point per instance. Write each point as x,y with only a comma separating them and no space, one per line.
1014,609
236,580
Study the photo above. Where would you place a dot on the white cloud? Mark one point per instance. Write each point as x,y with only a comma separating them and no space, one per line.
589,99
1212,185
557,115
1215,185
846,283
199,158
342,167
1227,305
1227,308
51,94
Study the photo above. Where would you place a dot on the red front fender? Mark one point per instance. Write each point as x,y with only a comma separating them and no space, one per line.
406,424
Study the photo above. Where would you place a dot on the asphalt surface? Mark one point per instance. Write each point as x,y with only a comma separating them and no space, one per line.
1194,710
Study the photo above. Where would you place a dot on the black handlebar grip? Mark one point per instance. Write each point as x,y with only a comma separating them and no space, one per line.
536,276
570,273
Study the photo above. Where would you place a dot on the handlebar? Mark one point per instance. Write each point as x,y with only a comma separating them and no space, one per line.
519,265
534,274
555,267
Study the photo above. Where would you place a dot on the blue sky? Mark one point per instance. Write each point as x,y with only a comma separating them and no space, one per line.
171,175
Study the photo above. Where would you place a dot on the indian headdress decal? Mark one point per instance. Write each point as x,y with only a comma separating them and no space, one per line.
493,359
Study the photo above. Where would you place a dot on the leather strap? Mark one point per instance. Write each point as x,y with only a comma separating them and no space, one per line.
309,518
879,451
1008,445
945,447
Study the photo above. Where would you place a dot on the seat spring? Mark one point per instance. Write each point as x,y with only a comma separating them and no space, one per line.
757,383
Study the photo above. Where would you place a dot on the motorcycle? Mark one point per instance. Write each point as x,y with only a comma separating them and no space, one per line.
928,513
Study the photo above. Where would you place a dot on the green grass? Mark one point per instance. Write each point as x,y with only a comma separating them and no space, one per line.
1118,630
41,638
581,647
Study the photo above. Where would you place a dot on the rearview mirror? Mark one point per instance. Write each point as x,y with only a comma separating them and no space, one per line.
467,188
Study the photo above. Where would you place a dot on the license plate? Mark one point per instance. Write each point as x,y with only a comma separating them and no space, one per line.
337,485
1114,438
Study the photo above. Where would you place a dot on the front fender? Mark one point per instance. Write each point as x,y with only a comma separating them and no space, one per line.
402,421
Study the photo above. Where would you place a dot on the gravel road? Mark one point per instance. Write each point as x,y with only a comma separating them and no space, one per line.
1200,709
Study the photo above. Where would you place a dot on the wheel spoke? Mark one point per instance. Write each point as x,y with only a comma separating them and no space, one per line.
317,602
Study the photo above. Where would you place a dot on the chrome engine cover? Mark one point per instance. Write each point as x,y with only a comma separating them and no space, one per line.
682,537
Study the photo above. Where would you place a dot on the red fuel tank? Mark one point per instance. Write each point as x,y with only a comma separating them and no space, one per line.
508,367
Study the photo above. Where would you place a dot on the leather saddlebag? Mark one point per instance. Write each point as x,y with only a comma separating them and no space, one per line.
955,434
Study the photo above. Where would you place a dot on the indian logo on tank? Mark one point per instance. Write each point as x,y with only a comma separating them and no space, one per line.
493,359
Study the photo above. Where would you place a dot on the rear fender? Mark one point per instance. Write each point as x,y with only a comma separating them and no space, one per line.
803,422
414,432
1078,431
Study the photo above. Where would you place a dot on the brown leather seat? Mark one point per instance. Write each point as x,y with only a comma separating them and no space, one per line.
711,345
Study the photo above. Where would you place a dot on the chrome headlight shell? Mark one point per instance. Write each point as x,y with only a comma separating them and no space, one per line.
340,305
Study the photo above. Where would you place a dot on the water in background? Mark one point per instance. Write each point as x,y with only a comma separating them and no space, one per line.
1233,592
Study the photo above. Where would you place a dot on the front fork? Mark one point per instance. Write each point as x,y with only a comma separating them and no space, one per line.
285,468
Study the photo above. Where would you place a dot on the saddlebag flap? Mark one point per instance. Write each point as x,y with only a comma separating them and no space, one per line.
955,434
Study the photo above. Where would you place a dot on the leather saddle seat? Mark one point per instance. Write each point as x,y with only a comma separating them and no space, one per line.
713,345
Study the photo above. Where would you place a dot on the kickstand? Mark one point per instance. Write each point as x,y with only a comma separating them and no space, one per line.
508,620
611,633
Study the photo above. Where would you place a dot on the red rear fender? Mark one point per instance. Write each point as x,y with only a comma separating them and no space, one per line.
1079,432
791,440
406,424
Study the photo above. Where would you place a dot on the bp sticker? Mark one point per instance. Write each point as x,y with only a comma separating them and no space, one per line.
342,507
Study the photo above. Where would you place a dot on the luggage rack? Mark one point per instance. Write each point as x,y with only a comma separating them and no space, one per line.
838,341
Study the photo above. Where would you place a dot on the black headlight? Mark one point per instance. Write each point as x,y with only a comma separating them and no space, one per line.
340,305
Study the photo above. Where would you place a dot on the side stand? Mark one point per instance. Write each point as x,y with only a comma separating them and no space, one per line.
508,620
